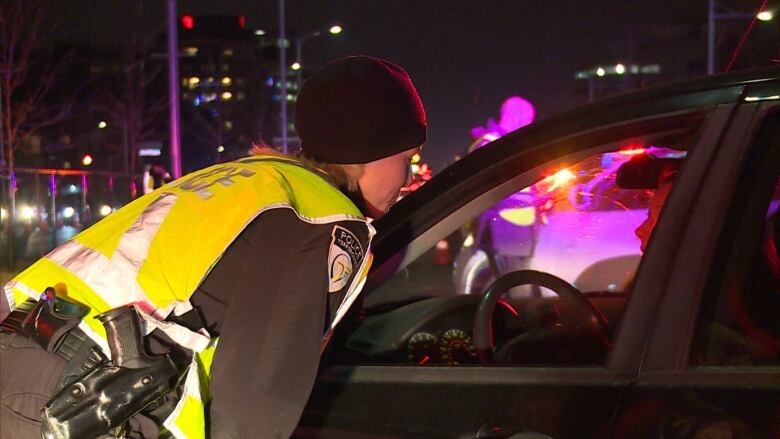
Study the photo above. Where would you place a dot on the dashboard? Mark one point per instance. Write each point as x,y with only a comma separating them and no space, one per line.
436,331
439,331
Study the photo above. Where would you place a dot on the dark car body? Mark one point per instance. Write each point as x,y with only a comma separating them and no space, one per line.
693,343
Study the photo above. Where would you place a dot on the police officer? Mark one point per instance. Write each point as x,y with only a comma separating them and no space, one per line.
268,252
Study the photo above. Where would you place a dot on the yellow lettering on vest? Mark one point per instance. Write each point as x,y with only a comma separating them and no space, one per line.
200,183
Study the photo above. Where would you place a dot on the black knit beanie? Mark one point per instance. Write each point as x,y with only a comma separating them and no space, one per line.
359,109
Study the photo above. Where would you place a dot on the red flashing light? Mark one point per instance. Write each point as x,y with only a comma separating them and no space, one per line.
633,150
241,21
188,22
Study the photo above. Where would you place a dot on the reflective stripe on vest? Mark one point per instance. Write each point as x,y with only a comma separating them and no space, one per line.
154,252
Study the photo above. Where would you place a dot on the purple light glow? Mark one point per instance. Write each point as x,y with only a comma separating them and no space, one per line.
516,112
573,241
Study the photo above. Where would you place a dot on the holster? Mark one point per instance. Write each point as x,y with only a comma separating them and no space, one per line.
105,397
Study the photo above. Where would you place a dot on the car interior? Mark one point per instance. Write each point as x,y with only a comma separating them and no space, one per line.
539,277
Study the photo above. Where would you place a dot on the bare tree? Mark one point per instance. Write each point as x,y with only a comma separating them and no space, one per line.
126,97
27,74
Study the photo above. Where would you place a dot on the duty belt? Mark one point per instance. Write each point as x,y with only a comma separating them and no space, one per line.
95,396
52,323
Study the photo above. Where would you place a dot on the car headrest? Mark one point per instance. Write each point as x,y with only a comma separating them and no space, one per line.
644,171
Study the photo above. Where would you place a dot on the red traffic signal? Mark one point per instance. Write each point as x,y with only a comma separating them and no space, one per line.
188,22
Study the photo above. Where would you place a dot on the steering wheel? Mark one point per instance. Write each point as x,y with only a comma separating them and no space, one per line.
588,320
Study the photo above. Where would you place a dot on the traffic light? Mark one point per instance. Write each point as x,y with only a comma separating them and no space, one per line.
188,22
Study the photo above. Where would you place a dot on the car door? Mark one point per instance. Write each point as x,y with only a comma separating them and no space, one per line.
712,367
375,383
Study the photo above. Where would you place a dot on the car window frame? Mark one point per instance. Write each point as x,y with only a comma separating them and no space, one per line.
590,142
612,374
744,228
667,359
667,355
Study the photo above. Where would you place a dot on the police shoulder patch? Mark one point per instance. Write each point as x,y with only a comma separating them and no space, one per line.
344,256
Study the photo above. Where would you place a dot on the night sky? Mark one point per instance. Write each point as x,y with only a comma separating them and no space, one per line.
465,57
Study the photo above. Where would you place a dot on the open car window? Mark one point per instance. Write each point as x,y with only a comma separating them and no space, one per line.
573,223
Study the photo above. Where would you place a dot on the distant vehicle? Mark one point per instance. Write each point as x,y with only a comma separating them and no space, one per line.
679,341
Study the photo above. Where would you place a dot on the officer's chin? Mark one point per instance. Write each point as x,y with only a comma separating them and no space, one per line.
374,212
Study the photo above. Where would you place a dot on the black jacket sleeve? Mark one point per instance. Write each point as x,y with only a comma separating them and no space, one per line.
268,299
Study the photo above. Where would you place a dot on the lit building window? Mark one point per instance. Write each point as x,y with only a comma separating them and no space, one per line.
193,82
226,96
240,96
226,81
184,82
208,97
228,125
190,51
227,52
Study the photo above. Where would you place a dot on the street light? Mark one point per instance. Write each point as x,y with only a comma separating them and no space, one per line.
298,65
713,16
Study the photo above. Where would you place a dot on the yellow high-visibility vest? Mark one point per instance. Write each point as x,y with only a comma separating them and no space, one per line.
155,251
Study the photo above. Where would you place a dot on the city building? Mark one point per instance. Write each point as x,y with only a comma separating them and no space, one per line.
226,89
